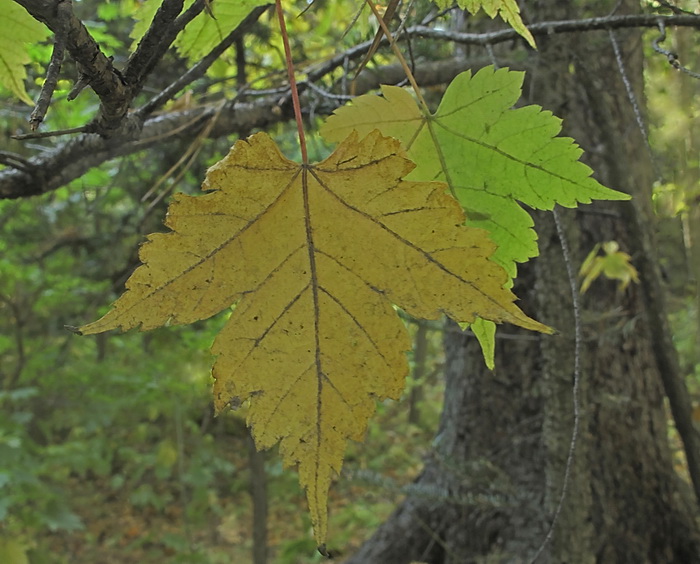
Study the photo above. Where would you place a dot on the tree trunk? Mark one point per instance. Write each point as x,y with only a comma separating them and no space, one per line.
258,494
493,485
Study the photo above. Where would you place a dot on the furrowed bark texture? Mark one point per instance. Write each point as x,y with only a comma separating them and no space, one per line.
625,501
501,450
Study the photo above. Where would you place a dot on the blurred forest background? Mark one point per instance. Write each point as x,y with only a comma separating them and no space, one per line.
109,451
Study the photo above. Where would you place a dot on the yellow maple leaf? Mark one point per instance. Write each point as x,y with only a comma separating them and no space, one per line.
313,257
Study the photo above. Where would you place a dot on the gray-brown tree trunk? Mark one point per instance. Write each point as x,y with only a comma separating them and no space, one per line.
491,489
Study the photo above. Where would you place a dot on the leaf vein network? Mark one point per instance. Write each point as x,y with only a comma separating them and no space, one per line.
291,384
405,241
261,338
526,164
358,324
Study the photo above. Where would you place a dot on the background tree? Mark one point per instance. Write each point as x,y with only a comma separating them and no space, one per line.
493,481
513,427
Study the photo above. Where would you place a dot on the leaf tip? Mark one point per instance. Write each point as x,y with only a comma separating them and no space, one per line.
533,325
73,329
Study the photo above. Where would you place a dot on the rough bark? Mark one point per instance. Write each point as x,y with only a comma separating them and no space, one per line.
116,89
504,437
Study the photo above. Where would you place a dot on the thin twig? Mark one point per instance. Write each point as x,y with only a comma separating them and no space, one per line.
43,134
198,70
633,101
325,93
493,38
200,117
353,21
551,27
386,18
292,83
674,9
15,161
576,389
433,15
670,55
400,57
104,79
79,86
54,68
190,156
154,42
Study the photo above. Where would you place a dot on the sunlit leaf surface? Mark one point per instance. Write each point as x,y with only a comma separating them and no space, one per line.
313,257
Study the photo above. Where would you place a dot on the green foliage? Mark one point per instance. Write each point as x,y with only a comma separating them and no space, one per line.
491,155
13,551
206,30
506,9
19,29
76,413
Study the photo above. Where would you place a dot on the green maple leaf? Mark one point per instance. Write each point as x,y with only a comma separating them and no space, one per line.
19,30
491,155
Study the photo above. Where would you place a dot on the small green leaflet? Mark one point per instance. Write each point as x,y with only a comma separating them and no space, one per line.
19,30
614,264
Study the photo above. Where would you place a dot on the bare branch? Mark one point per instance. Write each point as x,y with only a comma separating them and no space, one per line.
549,28
671,56
15,161
674,9
47,90
492,38
70,160
116,91
78,87
57,133
104,79
153,44
74,158
198,70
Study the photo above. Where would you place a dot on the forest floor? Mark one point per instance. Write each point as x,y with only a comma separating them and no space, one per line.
157,519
